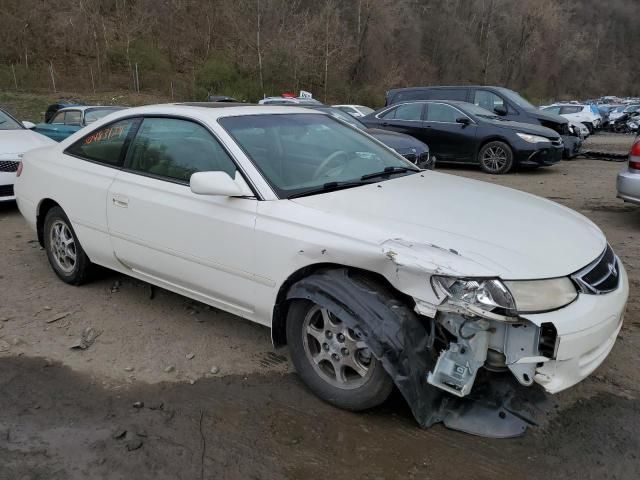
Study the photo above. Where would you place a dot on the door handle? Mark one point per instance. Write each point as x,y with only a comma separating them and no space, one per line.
120,201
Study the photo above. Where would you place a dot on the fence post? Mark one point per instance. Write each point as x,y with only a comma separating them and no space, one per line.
15,80
53,80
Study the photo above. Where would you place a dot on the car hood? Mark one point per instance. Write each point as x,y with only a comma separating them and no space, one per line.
484,229
20,141
525,128
396,140
547,117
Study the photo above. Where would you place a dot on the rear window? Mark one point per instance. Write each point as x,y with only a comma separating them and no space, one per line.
105,144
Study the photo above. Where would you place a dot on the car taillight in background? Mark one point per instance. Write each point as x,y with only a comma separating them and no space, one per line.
19,169
634,155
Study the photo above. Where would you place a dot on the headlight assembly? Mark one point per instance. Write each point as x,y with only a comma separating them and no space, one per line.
533,138
503,300
487,298
533,296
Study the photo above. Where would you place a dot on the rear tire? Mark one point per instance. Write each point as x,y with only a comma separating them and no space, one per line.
332,361
65,254
496,158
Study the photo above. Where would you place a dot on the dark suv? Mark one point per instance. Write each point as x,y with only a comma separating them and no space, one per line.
502,101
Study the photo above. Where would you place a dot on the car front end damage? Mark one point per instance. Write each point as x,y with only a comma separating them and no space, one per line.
484,323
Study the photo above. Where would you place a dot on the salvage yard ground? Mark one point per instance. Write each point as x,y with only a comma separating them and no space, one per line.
172,389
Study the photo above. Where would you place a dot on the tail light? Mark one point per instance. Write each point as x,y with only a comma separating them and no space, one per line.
634,155
19,169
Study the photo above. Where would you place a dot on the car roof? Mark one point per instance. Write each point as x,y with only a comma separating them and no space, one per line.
89,107
212,110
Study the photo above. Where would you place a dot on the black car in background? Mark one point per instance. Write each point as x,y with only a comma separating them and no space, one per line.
460,132
408,146
498,100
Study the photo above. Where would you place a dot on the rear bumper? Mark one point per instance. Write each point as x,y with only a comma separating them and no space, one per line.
7,179
628,185
587,330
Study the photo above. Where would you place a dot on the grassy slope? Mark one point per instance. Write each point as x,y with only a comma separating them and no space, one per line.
31,106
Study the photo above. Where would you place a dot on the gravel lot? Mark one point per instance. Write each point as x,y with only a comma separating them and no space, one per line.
218,402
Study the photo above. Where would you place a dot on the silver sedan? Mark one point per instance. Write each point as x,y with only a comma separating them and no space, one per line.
629,180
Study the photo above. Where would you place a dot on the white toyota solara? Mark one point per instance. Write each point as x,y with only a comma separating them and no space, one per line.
370,270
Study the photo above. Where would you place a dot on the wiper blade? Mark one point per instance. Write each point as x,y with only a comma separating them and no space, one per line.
328,187
388,171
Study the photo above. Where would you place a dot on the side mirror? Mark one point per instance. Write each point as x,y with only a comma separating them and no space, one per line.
500,110
463,120
28,124
216,183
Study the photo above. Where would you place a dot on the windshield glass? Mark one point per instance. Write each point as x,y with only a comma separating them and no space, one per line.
7,122
473,109
364,110
516,98
94,114
345,117
303,153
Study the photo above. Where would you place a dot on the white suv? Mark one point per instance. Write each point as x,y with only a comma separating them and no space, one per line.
583,113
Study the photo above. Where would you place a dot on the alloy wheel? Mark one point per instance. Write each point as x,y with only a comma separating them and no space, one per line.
62,246
494,158
336,353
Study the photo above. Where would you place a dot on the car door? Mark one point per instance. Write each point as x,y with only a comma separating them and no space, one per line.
448,139
87,170
199,245
54,129
496,104
405,118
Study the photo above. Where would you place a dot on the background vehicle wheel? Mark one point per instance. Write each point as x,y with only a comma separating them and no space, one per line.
332,361
496,158
589,126
66,256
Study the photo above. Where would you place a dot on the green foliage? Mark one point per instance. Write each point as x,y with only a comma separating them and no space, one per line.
219,76
148,57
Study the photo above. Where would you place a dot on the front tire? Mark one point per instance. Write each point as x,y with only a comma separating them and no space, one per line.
496,158
332,361
65,254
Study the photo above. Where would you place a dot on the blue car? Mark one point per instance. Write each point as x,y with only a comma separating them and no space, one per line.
68,121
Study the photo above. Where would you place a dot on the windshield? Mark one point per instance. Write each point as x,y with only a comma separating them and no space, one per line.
94,114
516,98
364,110
7,122
305,152
473,109
345,117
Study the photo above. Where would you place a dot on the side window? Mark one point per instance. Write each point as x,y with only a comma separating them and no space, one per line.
175,149
439,112
105,144
389,114
59,118
488,100
409,111
555,110
73,117
448,94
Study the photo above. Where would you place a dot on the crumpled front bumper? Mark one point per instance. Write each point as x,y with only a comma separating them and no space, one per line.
586,332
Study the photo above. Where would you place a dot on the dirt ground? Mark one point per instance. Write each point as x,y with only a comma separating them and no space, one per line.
142,402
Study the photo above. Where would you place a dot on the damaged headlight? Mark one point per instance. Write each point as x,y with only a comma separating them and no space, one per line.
533,296
498,300
488,298
533,138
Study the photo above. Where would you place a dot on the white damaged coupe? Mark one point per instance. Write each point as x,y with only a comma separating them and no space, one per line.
371,271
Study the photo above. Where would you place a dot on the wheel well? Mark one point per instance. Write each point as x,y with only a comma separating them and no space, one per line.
280,309
46,205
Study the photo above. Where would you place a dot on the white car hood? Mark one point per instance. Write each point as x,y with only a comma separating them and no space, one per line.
15,142
490,229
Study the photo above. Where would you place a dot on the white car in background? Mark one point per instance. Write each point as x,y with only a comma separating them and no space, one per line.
295,220
355,110
588,114
16,138
580,128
